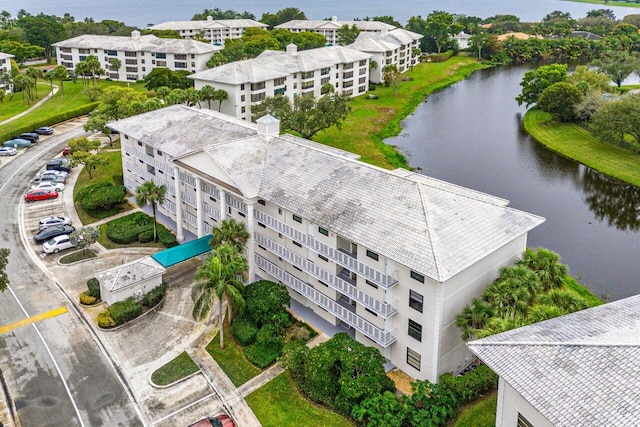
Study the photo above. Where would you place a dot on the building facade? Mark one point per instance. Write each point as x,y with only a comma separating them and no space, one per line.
289,73
138,55
215,31
391,255
5,68
397,47
329,28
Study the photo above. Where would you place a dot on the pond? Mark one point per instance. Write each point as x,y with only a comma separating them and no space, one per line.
470,134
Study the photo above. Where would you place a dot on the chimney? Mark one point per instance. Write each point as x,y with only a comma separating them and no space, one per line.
135,34
292,49
268,126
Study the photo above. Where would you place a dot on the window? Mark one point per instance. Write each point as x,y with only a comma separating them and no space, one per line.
363,71
262,202
325,80
242,86
371,312
161,55
297,244
416,301
243,110
279,82
258,97
262,225
279,91
181,65
324,258
373,285
372,255
307,75
418,277
413,358
347,75
307,85
347,66
415,330
180,57
296,218
131,54
257,86
297,268
323,231
362,62
242,98
523,422
325,71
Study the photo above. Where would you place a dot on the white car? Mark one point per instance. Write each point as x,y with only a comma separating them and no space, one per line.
50,221
57,244
8,151
48,185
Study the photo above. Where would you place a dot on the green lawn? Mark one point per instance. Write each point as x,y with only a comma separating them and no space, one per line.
481,413
231,359
606,4
180,367
279,404
373,120
58,106
574,142
14,104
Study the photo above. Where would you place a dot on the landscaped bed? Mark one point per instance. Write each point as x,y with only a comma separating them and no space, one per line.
232,359
480,413
180,367
135,229
77,256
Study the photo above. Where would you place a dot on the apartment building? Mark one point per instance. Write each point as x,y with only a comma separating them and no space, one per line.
329,28
289,73
396,47
138,55
214,30
391,255
5,67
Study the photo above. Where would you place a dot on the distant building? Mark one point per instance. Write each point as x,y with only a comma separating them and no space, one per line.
329,28
289,73
581,369
138,54
5,67
391,256
389,48
214,30
462,39
585,35
518,36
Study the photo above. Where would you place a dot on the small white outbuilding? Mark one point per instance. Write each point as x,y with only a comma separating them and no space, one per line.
133,279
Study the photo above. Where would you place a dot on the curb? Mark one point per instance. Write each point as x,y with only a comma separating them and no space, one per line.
160,387
115,328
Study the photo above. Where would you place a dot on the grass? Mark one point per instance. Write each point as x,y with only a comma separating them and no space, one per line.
373,120
576,143
279,404
481,413
13,103
607,4
78,256
180,367
584,293
73,99
231,359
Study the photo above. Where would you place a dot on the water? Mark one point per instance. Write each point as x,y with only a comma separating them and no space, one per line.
470,134
144,12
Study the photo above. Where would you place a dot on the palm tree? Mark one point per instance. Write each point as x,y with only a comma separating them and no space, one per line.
220,276
153,194
520,275
221,95
115,65
565,300
60,73
207,93
35,74
541,312
229,231
474,317
546,265
508,298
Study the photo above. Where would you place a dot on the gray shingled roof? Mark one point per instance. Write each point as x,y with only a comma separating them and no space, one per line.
126,275
581,369
5,55
148,43
432,227
208,24
276,64
310,24
373,42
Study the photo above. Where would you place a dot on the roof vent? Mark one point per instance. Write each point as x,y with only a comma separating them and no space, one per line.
135,34
292,49
209,18
334,19
268,126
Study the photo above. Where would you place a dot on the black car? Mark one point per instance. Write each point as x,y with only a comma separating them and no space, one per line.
51,232
45,130
56,165
31,137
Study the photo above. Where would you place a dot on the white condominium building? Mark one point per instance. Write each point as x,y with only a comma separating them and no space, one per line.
329,28
138,55
395,47
5,67
214,30
288,73
391,255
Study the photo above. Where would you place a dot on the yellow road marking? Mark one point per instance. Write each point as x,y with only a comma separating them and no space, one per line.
32,319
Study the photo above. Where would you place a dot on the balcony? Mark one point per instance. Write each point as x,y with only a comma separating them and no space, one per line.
236,204
211,211
377,335
189,199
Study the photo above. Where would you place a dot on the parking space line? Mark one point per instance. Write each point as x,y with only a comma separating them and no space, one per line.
33,319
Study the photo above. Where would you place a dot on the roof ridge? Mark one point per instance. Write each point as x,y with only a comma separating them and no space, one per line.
428,223
552,344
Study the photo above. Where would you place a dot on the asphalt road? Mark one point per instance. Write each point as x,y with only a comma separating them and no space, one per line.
55,372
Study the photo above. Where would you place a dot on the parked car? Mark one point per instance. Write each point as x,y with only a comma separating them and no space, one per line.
66,151
54,176
48,185
57,244
17,143
8,151
51,232
222,420
33,137
53,220
45,130
59,166
41,194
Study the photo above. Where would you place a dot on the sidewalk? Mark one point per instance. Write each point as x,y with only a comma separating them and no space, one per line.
33,107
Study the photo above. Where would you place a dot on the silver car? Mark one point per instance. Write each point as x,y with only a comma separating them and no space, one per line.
53,220
8,151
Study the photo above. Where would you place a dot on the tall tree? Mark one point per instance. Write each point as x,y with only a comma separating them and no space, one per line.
347,34
439,26
60,74
560,100
85,237
220,95
231,232
207,93
391,77
83,153
282,16
535,81
35,74
154,195
43,31
617,65
219,277
4,260
114,65
23,83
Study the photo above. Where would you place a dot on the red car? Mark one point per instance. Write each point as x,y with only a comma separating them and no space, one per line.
42,194
222,420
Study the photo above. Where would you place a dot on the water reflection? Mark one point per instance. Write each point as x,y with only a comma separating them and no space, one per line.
611,200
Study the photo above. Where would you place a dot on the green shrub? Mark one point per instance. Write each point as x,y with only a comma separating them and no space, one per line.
105,320
87,299
101,196
154,296
244,330
145,236
166,238
267,302
262,355
124,311
440,57
118,179
472,384
131,228
93,285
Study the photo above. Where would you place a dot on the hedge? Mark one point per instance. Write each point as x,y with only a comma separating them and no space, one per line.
100,196
93,285
263,355
132,228
87,299
439,57
126,310
244,330
472,384
154,296
105,320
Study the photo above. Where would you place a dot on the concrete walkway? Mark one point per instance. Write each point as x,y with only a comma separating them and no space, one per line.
33,107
